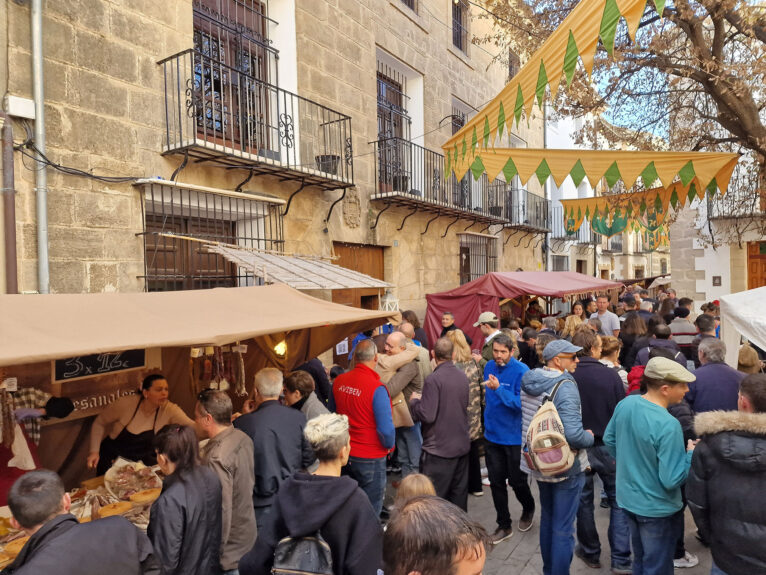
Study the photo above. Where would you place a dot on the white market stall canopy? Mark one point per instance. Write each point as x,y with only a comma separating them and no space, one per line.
299,272
743,313
37,328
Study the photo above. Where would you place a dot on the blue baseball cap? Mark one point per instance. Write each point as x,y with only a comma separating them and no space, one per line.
559,346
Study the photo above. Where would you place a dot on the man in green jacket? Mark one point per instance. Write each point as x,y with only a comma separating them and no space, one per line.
652,464
487,323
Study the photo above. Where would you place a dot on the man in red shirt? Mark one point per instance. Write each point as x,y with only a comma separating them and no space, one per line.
361,396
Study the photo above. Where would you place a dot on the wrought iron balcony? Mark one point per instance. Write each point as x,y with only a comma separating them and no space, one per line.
737,204
584,235
223,115
411,175
614,244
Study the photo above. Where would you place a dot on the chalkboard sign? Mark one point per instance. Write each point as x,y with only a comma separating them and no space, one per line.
98,364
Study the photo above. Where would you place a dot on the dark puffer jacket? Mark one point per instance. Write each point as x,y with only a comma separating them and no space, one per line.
725,488
185,523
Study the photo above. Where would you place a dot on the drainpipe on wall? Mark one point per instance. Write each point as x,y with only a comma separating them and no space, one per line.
9,208
41,174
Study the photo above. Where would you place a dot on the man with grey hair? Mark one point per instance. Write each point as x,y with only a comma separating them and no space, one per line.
361,396
717,384
229,452
549,326
645,310
280,449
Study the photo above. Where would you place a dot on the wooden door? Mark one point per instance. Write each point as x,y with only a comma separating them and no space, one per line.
365,259
756,265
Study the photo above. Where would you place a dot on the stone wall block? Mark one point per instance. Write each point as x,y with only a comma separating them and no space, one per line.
100,210
68,276
123,245
84,13
61,208
58,40
105,55
73,244
147,108
102,277
101,135
96,93
137,29
27,238
128,273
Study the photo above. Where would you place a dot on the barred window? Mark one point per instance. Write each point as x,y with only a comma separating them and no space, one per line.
180,219
478,256
411,4
460,15
560,263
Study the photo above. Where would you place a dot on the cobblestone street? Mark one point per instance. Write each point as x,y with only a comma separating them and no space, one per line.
520,555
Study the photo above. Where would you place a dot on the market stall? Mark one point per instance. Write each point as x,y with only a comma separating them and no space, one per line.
485,293
94,348
743,315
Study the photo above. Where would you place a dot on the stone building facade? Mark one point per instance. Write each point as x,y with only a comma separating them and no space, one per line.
268,113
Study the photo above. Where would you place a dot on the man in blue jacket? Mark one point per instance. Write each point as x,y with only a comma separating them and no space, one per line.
502,431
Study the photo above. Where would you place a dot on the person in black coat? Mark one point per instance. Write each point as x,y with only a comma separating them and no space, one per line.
185,521
726,479
322,385
59,544
280,449
326,503
448,324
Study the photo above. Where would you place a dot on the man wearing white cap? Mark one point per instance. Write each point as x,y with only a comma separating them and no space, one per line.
487,323
652,464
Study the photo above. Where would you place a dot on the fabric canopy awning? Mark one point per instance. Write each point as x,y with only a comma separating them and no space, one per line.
304,273
576,37
483,294
638,211
707,169
46,327
744,314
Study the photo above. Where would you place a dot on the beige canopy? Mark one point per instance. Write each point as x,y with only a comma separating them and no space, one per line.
45,327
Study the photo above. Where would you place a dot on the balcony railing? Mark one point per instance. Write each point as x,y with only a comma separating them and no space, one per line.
614,244
737,204
410,170
584,235
224,115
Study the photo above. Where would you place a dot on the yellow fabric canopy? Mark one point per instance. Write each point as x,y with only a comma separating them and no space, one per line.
638,211
577,37
708,168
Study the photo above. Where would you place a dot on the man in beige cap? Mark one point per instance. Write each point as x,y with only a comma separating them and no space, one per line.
652,463
488,324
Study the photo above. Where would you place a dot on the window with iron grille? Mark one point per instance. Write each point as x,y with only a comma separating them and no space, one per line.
233,59
460,15
411,4
514,64
560,263
478,256
179,220
663,266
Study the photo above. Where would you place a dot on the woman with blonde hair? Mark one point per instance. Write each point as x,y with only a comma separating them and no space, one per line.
413,485
570,326
461,356
324,502
610,356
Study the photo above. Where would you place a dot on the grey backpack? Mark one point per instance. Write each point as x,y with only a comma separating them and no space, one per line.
302,556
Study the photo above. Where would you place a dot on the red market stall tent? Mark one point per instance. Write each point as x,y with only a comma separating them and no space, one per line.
484,294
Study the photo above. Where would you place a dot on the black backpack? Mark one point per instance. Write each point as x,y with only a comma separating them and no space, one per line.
302,556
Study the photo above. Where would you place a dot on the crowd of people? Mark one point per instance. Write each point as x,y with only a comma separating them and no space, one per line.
635,391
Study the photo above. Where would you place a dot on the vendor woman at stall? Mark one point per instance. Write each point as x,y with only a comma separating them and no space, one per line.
127,427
